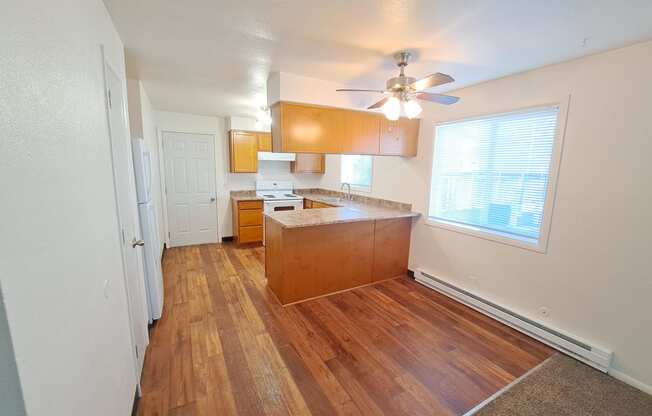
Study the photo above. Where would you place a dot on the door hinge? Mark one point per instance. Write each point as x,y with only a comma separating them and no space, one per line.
108,97
122,232
136,346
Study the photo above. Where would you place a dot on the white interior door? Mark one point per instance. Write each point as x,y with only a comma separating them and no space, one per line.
190,188
125,190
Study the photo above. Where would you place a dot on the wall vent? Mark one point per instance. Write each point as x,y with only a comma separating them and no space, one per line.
594,356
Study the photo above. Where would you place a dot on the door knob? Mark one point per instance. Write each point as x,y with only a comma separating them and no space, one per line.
135,243
212,199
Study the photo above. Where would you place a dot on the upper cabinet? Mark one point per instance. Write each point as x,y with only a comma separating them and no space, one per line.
305,128
243,149
399,137
264,142
308,163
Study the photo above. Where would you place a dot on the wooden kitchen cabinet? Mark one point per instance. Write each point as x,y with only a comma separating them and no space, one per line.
361,132
264,141
307,128
399,137
308,163
316,204
243,150
306,262
310,204
247,221
300,128
244,147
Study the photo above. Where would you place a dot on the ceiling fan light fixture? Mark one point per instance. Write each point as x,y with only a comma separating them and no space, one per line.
392,109
412,108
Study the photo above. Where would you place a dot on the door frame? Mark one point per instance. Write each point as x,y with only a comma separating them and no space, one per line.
106,65
162,166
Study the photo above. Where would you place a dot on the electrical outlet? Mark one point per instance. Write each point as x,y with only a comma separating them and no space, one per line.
543,311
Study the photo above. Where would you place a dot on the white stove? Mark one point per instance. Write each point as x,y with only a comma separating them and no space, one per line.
276,191
277,196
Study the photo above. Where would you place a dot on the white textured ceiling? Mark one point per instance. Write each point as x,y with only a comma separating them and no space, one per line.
213,57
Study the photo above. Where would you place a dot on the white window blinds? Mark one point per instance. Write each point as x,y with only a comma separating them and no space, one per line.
491,173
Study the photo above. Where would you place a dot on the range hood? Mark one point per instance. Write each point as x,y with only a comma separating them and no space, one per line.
284,157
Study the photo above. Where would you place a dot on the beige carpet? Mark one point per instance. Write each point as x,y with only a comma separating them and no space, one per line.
564,386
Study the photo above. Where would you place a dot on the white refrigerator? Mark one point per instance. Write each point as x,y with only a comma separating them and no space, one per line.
149,229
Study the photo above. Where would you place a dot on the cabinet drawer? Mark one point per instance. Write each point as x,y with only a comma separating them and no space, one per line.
247,217
250,234
250,205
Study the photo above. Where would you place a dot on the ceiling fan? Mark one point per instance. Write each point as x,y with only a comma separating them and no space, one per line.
403,91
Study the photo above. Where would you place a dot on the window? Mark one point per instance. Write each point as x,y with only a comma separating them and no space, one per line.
356,171
490,175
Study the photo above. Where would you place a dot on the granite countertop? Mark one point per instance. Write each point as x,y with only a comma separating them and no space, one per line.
344,211
245,196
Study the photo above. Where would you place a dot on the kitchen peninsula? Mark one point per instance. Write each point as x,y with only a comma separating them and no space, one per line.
315,252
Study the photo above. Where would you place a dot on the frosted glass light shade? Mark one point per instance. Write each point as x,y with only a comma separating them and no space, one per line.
412,109
392,108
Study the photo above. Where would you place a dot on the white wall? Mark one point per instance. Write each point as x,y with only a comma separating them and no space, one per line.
60,227
226,182
595,277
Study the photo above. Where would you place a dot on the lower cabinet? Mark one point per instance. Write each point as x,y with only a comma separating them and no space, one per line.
307,262
309,204
247,221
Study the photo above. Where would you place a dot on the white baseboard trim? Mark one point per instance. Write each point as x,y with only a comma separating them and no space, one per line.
592,355
619,375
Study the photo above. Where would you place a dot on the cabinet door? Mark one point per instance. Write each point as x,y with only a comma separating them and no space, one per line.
316,204
264,142
390,137
308,163
244,152
399,137
308,129
360,133
410,136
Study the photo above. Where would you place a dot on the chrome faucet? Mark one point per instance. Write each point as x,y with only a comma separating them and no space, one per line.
348,196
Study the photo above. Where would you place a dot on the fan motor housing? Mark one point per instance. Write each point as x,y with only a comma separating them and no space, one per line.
399,83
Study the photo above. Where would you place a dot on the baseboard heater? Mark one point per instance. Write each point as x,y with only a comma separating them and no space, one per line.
591,355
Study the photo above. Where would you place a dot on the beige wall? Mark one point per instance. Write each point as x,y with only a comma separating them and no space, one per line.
72,344
596,277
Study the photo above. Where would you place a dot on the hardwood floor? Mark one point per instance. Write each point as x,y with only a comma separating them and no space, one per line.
225,346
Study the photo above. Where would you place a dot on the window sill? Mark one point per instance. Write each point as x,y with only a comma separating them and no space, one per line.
364,189
539,246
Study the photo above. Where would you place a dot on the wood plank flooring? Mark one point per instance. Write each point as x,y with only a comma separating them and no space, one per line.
225,346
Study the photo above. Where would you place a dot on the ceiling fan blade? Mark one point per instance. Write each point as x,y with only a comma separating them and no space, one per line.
355,90
431,80
378,104
438,98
